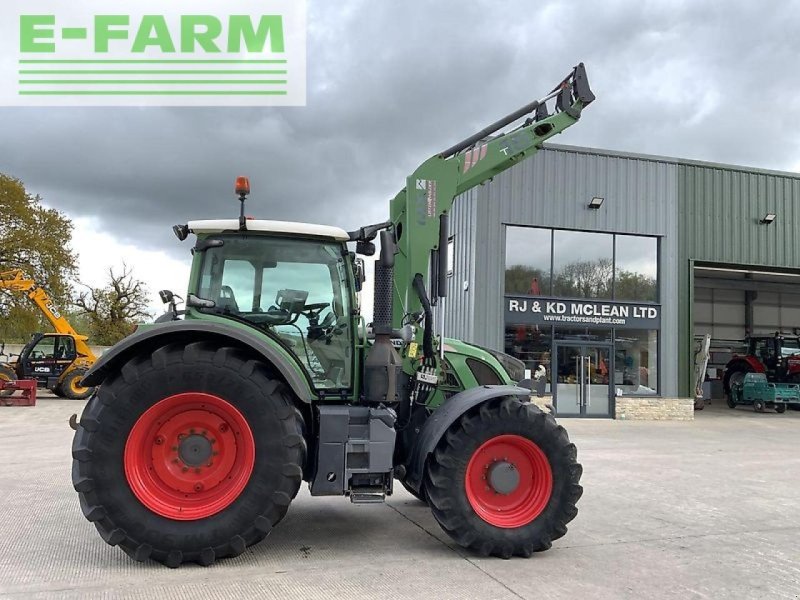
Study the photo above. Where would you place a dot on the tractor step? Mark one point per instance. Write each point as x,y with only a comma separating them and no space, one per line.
367,496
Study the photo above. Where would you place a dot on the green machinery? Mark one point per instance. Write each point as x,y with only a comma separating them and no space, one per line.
756,391
205,426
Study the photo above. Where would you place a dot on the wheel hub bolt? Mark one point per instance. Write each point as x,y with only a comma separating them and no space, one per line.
223,427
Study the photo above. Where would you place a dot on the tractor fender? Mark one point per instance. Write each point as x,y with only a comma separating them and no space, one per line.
748,360
159,334
443,417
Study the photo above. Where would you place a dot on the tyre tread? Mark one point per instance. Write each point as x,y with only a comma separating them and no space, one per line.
112,397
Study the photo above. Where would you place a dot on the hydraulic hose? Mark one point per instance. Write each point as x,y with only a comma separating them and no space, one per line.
427,336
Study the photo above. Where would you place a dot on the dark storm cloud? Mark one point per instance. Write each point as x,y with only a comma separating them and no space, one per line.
391,83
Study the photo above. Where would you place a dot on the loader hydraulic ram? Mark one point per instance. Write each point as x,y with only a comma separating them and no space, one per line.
205,426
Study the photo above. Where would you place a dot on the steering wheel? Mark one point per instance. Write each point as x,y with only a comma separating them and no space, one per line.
318,307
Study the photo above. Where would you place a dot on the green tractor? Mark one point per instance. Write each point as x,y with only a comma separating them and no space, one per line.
203,427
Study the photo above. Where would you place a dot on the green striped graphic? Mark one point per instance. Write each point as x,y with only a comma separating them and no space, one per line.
152,93
150,81
150,61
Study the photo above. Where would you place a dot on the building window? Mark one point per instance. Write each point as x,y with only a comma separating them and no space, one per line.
636,268
528,260
583,264
636,362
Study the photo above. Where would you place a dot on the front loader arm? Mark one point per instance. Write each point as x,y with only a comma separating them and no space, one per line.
431,190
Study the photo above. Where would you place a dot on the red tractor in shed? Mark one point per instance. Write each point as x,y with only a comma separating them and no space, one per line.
777,356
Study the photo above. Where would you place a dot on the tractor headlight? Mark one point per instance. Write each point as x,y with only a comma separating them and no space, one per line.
513,366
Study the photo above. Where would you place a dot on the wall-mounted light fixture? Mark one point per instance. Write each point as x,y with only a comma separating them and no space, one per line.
596,202
768,219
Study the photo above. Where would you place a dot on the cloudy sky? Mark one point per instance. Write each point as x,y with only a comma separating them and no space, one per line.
390,83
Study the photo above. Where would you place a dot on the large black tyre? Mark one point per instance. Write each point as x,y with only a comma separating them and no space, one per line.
734,375
71,388
103,451
418,495
450,479
780,408
7,374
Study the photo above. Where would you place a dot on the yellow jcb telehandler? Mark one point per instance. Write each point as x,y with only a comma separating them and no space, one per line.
57,361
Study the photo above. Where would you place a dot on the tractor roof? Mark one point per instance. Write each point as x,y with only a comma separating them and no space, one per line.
287,227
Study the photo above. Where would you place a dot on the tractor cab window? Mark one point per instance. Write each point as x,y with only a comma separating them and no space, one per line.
764,349
65,349
296,291
44,348
789,347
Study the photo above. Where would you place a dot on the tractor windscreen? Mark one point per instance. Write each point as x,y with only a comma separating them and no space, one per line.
295,290
789,347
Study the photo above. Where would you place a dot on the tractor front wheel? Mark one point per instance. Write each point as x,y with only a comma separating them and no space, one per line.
188,455
504,480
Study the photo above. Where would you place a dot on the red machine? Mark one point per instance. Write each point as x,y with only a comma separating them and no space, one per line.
777,356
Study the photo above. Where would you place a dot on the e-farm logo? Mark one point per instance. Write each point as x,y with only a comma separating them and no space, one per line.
182,52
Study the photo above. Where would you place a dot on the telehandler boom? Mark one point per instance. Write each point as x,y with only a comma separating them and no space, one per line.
57,361
204,427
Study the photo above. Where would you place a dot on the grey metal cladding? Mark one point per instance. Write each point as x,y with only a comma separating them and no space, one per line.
723,207
459,311
553,189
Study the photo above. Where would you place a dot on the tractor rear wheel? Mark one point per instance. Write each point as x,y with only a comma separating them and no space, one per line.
7,374
504,480
734,376
418,495
70,387
190,454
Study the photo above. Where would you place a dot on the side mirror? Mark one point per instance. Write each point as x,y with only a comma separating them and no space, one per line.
166,296
388,249
359,273
365,248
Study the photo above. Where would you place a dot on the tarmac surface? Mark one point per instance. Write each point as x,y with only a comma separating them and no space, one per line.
703,509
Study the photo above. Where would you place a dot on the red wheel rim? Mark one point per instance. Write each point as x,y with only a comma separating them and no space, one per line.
498,464
189,456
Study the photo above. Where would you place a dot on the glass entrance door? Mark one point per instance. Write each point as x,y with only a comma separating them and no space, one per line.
583,386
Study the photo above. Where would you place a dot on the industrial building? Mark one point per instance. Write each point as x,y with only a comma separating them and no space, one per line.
599,269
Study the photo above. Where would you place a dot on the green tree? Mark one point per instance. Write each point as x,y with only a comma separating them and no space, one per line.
37,239
585,279
519,280
635,286
114,309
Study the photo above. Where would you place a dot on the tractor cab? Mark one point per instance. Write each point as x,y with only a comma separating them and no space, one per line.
776,353
294,282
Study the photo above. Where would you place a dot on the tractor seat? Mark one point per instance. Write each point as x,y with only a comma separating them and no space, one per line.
227,300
